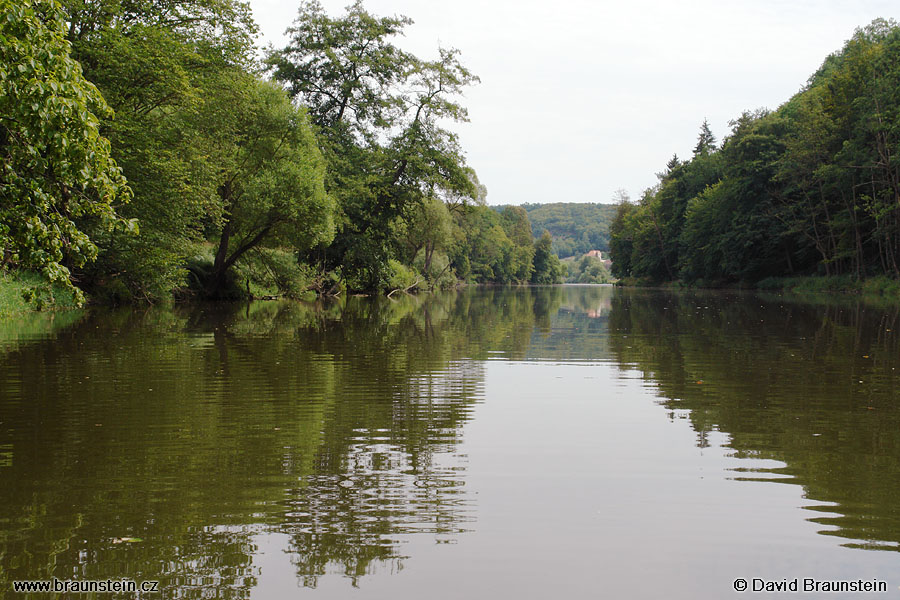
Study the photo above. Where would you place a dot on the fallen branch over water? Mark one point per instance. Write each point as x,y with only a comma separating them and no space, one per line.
406,289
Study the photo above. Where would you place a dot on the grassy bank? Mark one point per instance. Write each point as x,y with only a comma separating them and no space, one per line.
22,292
873,286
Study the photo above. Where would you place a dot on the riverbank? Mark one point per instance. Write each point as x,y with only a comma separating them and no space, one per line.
880,286
23,291
873,286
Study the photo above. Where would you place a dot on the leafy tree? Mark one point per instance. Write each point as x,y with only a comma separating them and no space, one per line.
521,259
731,231
621,242
576,227
56,167
547,268
810,188
158,64
587,269
650,232
484,248
426,231
380,111
517,225
271,174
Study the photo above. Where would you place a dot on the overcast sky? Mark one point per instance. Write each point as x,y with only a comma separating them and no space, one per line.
579,98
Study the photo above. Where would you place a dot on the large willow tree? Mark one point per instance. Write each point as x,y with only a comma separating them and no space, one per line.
381,113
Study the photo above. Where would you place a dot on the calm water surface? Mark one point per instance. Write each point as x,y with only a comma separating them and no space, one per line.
570,442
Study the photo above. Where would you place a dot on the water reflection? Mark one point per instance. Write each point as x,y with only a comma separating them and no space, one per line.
181,444
577,331
813,385
159,444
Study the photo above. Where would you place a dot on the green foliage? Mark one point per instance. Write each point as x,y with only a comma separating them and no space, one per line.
484,249
271,182
423,233
380,112
883,286
547,268
340,194
872,286
621,242
440,274
22,291
810,189
212,151
56,167
401,277
259,273
588,269
270,272
160,65
706,141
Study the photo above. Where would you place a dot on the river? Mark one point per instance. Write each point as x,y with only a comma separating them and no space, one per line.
570,442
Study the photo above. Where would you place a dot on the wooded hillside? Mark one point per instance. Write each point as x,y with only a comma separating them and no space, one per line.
576,227
812,188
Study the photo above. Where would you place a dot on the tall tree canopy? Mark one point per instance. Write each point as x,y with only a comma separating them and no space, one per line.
160,64
271,182
812,188
380,111
347,163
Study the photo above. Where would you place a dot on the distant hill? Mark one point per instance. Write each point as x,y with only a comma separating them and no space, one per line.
576,227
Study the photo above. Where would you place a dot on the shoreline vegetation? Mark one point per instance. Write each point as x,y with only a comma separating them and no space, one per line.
804,198
812,284
149,154
22,292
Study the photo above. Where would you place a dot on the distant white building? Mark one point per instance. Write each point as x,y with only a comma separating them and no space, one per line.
599,254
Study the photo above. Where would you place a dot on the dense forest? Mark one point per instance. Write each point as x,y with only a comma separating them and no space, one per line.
148,152
576,227
812,188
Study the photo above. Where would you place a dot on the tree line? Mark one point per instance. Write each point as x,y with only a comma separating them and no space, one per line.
147,151
812,188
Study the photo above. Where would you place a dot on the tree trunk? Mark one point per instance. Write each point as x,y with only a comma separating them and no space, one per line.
429,254
217,277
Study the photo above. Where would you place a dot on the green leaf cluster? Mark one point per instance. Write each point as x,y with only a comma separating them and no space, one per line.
216,156
346,162
56,169
587,269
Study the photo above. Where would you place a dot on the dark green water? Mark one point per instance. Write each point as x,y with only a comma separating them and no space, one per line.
571,442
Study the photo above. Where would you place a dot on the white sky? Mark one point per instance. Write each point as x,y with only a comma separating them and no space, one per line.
580,98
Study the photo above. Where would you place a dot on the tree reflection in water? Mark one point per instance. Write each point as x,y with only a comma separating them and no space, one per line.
156,444
165,444
811,382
